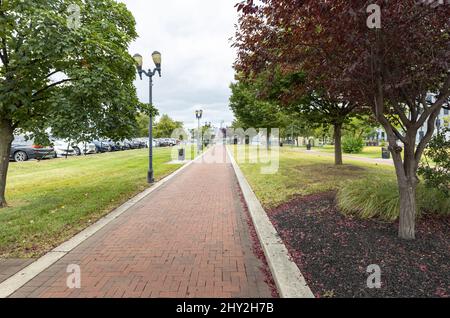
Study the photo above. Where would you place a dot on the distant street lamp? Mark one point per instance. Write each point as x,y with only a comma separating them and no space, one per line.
208,126
156,56
199,115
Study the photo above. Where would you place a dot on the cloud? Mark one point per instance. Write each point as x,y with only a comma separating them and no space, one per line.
193,38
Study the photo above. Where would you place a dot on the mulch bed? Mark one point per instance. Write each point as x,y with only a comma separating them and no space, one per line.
333,251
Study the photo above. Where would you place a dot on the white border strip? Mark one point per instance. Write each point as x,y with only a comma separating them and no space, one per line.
288,278
15,282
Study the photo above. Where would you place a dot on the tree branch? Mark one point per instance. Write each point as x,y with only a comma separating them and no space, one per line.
53,85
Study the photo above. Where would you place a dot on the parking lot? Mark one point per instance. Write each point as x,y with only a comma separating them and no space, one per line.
24,150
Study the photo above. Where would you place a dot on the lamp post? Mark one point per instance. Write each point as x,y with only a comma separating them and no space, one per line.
206,142
199,115
156,56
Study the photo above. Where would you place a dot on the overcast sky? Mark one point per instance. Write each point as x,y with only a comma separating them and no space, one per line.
193,38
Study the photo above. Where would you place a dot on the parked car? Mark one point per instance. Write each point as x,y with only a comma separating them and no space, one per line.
64,148
131,144
113,145
173,141
102,146
23,150
122,145
155,143
164,142
142,142
88,147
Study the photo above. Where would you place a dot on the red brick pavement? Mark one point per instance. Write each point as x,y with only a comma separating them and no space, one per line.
188,238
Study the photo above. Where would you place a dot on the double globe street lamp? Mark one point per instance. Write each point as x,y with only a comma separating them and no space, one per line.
156,56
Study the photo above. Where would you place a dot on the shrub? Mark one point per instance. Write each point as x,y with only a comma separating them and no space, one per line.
374,198
352,144
433,201
437,174
379,198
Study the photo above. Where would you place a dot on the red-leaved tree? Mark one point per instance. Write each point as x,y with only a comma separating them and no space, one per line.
386,55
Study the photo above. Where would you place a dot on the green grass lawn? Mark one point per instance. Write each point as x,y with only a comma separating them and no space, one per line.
368,152
52,200
304,174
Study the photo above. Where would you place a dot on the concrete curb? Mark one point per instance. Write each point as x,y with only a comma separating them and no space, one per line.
15,282
288,278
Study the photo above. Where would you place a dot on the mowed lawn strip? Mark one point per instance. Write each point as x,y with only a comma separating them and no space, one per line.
52,200
368,152
304,174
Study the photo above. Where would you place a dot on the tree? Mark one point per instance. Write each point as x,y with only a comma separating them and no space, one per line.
361,127
166,126
289,92
252,111
142,123
327,111
388,55
65,70
287,85
237,123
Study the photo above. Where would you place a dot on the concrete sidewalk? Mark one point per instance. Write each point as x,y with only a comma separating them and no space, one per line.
188,238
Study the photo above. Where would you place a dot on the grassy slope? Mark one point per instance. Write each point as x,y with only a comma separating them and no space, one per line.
50,201
303,174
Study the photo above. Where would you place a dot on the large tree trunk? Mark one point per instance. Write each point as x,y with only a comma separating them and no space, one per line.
6,138
407,209
338,144
406,171
407,182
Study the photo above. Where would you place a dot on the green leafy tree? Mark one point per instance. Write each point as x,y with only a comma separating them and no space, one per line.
323,110
252,111
280,96
437,175
360,127
237,123
165,127
65,69
323,132
142,123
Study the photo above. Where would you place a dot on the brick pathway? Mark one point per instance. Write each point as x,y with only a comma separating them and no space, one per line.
10,266
188,238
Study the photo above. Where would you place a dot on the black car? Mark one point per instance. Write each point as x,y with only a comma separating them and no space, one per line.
22,150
